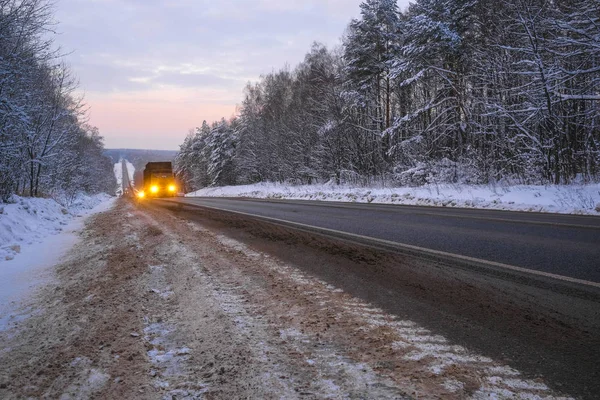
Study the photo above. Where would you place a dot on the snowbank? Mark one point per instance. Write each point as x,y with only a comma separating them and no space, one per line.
567,199
25,221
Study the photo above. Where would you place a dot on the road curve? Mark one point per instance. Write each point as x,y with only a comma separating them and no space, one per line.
566,245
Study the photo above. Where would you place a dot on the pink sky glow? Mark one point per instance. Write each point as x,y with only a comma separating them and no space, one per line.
151,70
152,120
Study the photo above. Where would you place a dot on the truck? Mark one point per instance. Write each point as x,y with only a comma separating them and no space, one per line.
159,180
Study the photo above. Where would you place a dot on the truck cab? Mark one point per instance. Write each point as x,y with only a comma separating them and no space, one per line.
159,180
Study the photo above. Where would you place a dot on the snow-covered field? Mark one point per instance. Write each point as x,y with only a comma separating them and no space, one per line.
575,199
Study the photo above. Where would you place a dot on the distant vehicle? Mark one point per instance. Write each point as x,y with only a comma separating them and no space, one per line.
159,181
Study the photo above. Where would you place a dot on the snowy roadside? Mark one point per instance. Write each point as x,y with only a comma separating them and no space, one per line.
152,305
34,235
26,221
300,336
564,199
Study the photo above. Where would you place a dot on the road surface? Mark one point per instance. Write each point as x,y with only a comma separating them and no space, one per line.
565,245
543,325
180,302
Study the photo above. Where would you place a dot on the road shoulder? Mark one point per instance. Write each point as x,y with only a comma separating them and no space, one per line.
152,305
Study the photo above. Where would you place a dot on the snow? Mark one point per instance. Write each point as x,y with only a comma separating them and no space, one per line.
130,170
566,199
167,357
25,221
34,234
118,170
86,380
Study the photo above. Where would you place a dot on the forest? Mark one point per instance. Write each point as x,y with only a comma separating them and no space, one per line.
46,146
460,91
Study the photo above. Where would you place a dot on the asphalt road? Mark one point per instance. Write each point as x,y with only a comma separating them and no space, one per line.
567,245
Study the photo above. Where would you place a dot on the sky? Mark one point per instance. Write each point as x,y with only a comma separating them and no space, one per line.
151,70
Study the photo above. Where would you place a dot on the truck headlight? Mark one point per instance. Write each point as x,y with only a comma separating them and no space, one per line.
172,188
154,189
141,195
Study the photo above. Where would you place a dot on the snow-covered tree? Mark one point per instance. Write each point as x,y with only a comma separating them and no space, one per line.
42,127
220,145
449,90
370,48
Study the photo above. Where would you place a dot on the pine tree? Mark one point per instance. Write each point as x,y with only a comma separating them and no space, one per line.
370,48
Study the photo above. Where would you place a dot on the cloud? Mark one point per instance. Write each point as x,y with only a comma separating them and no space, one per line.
206,49
196,80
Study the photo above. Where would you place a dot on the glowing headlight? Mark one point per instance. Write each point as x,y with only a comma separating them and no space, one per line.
172,188
141,195
154,189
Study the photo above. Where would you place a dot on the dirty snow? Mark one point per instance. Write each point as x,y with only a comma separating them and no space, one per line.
86,380
34,235
576,199
422,346
168,359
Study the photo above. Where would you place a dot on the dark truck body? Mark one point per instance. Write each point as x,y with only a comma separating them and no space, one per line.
159,180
